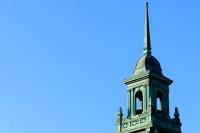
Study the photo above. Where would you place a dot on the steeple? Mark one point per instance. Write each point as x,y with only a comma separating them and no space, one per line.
147,62
148,96
147,40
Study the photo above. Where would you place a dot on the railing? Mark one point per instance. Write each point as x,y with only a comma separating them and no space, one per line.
135,122
140,121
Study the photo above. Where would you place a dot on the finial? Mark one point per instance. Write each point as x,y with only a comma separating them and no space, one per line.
147,40
147,3
120,111
177,115
119,119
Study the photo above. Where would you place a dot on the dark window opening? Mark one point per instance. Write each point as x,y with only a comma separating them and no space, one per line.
138,102
159,102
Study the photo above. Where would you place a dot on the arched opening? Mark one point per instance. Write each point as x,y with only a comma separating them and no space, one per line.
159,101
158,104
138,102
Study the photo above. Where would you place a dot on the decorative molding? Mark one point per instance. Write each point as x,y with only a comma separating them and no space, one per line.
136,122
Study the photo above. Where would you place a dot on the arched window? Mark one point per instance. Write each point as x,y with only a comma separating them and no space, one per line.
138,102
159,101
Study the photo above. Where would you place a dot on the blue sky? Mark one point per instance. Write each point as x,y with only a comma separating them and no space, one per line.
62,62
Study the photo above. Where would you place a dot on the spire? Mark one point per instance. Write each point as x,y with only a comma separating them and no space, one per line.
120,111
147,41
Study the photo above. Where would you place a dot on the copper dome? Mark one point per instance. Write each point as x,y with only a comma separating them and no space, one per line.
148,63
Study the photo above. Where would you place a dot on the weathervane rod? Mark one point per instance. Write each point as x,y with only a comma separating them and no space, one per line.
147,40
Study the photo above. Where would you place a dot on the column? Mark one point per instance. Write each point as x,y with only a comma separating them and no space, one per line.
132,103
129,103
148,130
144,98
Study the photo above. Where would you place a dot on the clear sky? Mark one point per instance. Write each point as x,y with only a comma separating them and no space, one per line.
62,62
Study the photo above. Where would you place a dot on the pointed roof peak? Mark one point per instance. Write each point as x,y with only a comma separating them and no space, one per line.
147,2
147,40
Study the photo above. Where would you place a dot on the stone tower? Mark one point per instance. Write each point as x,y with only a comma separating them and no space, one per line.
148,96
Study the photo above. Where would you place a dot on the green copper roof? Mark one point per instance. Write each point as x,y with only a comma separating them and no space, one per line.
147,62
